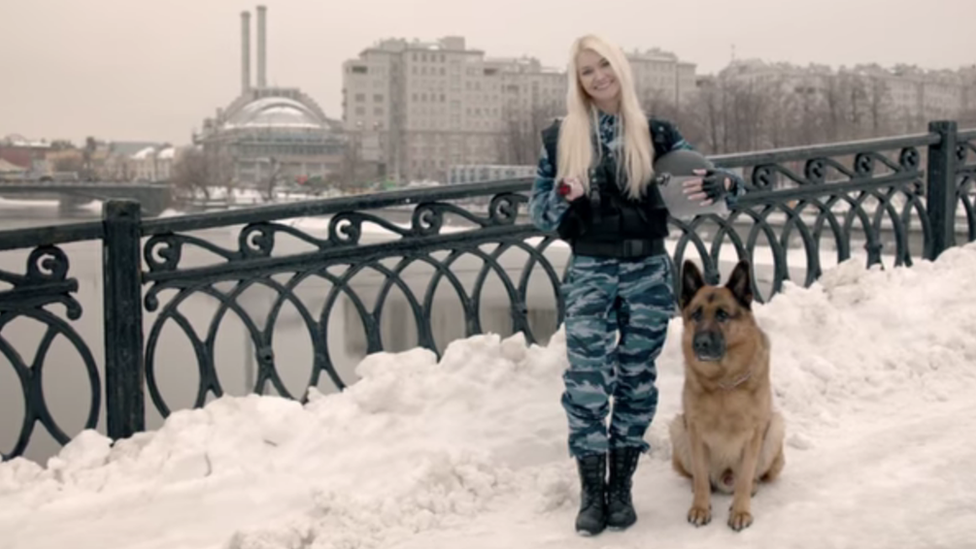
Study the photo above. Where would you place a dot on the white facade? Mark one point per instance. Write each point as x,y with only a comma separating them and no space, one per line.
154,163
421,107
661,76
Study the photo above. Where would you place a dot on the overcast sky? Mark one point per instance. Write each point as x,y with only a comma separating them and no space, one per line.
152,70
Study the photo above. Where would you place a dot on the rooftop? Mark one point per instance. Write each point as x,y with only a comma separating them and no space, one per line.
275,112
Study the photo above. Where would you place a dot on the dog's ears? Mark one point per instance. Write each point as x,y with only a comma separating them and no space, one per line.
740,284
691,282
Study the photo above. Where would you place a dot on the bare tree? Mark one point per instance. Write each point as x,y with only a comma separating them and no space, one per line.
200,170
192,173
779,118
691,119
520,142
350,166
743,115
967,118
272,179
510,144
880,107
88,156
221,165
707,108
659,104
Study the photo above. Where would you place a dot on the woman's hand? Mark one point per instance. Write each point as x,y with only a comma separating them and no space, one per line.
570,189
712,186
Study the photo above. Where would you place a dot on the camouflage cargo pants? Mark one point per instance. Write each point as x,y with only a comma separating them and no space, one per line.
604,296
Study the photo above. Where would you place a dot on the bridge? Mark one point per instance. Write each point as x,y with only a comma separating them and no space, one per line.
153,198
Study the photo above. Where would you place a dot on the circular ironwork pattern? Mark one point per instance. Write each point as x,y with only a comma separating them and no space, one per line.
763,177
908,159
896,204
47,263
816,170
316,323
46,282
776,218
257,240
966,186
864,164
164,253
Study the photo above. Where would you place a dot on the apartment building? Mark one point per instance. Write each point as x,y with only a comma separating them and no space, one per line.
660,76
422,107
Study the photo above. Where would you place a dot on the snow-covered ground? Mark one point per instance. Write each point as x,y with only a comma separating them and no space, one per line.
874,371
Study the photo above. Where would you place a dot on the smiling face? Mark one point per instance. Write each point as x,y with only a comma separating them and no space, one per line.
598,80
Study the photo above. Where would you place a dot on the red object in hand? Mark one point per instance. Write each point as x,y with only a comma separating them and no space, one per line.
563,189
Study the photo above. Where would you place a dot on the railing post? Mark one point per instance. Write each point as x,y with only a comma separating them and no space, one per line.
941,187
124,362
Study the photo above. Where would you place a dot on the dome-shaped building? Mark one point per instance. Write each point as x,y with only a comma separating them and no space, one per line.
275,112
270,133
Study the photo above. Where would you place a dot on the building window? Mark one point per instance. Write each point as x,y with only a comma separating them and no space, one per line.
378,98
360,98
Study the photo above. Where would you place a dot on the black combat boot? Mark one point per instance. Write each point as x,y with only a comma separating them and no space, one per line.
592,517
620,506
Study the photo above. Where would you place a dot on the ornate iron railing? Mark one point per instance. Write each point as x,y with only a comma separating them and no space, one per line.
30,294
464,260
966,180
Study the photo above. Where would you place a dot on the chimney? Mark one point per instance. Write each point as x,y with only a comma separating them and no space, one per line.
262,75
245,52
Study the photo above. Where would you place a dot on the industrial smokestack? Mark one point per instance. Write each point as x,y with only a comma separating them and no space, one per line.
262,75
245,51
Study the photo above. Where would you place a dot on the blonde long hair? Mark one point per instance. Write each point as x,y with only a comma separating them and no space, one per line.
576,150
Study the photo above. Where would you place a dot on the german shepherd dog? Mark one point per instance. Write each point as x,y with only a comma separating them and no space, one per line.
728,437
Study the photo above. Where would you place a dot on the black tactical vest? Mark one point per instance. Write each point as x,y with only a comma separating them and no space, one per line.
607,214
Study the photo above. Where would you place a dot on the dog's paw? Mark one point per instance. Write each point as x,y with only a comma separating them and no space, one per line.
739,520
699,515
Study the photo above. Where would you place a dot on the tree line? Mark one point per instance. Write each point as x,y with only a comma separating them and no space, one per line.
729,115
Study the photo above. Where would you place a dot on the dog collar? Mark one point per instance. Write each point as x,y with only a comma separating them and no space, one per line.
742,379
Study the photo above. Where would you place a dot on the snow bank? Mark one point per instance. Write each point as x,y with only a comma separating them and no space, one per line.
872,369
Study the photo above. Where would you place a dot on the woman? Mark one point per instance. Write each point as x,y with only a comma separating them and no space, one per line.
620,276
